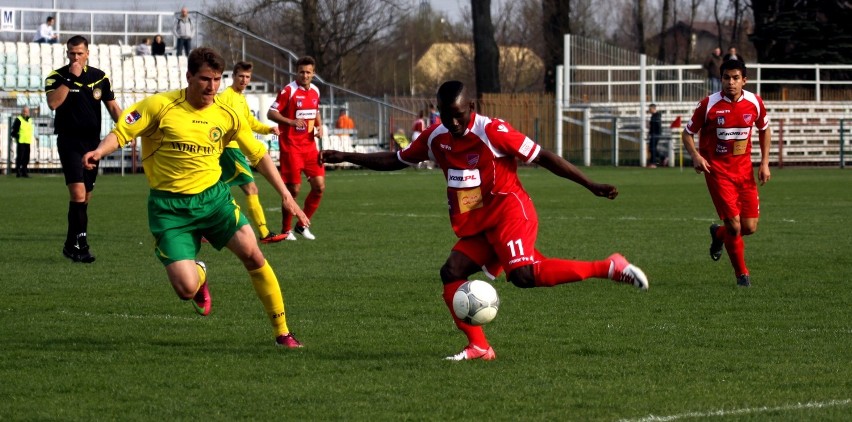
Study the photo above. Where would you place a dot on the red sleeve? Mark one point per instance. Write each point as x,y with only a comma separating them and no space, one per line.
418,150
762,118
282,100
506,139
697,121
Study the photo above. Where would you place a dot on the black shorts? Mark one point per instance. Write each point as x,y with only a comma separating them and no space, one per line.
72,148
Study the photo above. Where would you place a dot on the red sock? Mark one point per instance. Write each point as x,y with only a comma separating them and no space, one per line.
286,221
551,272
475,334
736,252
721,232
312,202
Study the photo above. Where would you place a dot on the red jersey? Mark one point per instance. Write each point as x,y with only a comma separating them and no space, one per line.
418,126
725,132
296,102
481,171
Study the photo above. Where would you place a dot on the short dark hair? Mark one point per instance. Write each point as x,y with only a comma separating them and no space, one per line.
306,60
49,18
203,55
450,91
733,64
77,40
243,67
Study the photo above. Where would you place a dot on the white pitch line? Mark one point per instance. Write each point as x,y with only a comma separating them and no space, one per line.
127,316
744,411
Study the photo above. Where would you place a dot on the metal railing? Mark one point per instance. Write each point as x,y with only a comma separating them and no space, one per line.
98,26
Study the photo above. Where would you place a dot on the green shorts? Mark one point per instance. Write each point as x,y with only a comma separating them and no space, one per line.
236,170
178,221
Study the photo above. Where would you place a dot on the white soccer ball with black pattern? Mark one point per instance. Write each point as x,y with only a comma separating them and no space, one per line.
476,302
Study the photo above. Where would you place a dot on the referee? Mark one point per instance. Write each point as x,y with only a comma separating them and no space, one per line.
76,91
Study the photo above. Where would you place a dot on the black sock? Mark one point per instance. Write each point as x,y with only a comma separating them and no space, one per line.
78,221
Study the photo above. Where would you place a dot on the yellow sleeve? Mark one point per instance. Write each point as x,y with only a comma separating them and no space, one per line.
252,148
138,119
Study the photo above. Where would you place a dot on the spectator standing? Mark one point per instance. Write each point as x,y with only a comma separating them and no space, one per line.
236,170
183,132
158,46
724,122
655,131
45,33
344,121
184,31
76,91
434,116
711,65
143,48
732,55
492,215
418,126
23,132
400,139
296,110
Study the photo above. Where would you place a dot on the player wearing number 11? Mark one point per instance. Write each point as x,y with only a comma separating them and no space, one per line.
491,213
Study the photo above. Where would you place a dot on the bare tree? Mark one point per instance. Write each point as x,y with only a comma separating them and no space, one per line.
555,20
640,25
664,28
486,52
337,33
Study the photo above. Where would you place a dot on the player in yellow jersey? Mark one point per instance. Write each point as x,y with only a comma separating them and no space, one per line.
235,167
183,134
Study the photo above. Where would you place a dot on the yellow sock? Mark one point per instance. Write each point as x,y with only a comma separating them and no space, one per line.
202,276
269,292
255,214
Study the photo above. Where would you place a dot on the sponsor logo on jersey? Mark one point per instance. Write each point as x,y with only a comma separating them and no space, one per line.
96,93
132,117
306,114
720,121
747,118
299,102
526,147
472,160
463,179
446,147
732,133
502,128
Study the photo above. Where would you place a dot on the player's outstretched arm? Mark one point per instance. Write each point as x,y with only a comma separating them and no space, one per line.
107,146
266,167
562,168
382,161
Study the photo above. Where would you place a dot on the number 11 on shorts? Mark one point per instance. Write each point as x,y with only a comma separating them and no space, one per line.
512,244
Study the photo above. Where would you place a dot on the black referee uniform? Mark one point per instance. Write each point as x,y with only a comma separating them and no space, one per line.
78,126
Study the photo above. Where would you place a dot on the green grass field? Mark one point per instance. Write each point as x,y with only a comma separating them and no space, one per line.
111,341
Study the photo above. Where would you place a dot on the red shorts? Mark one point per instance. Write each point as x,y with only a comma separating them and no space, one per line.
295,161
734,198
507,246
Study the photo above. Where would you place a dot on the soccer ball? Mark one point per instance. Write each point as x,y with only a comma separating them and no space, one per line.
476,302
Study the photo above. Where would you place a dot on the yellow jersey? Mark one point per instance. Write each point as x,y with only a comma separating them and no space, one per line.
180,144
237,102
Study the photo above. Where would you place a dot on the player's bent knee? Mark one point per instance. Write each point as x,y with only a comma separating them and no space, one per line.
447,276
522,279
